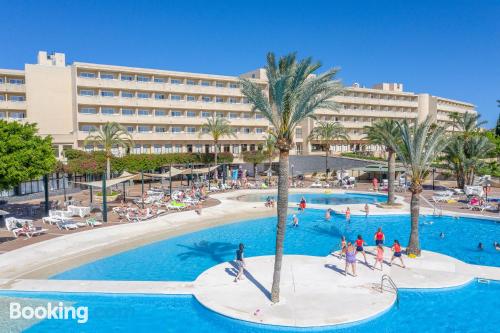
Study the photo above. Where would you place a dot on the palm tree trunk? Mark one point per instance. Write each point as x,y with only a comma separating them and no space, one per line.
269,174
108,168
391,163
282,205
215,152
326,162
414,243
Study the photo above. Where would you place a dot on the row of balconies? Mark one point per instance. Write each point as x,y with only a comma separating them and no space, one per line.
375,102
191,137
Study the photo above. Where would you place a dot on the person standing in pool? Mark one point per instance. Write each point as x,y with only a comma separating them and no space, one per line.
240,262
367,210
379,237
327,214
375,184
396,248
359,247
348,214
350,258
295,220
302,204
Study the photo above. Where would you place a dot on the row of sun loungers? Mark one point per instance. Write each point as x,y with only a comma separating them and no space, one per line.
23,227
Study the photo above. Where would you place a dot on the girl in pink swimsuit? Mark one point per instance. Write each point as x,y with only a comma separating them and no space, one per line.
379,258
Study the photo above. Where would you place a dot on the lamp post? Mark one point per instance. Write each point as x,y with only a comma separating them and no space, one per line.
170,176
104,199
433,171
64,186
46,191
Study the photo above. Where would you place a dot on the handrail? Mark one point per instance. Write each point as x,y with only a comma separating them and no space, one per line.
435,206
386,277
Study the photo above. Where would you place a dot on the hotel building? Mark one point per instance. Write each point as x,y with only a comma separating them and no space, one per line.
165,110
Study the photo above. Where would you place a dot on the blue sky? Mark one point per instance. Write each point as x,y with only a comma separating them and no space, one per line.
446,48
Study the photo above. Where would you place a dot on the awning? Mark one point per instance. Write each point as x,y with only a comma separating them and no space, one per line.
378,168
125,176
199,170
172,173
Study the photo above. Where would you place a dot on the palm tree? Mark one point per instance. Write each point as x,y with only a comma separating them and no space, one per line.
294,93
270,152
327,133
110,135
217,128
383,132
417,148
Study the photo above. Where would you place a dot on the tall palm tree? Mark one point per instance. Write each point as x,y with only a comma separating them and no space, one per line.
217,128
294,93
110,135
270,152
383,132
327,133
417,148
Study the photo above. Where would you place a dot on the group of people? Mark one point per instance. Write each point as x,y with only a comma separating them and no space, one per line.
349,250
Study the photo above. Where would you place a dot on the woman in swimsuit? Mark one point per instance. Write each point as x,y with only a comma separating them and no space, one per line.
379,258
396,248
379,237
350,258
359,247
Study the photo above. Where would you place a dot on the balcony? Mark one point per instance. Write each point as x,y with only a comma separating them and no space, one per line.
13,105
184,136
12,88
375,101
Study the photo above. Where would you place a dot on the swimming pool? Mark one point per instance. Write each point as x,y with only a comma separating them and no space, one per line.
321,198
184,257
464,309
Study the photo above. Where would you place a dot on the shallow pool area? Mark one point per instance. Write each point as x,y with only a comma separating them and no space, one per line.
326,198
463,309
184,257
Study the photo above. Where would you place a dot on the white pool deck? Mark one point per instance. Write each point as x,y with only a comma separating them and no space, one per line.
314,291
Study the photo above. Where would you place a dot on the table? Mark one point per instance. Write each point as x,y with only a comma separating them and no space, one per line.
79,211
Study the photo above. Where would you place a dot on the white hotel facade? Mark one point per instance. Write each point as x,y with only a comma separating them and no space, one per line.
164,110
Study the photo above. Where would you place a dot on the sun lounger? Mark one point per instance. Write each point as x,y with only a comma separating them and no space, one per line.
93,222
67,225
174,205
316,185
29,233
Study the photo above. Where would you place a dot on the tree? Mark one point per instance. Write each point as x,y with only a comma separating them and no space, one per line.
270,152
23,154
327,133
417,148
110,135
254,157
293,94
467,148
383,132
217,128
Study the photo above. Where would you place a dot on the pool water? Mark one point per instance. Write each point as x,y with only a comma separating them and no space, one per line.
184,257
322,198
464,309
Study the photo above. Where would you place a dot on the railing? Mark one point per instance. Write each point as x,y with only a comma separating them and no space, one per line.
437,209
387,278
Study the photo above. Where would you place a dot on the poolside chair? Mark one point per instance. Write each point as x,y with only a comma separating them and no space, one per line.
67,225
93,222
29,233
174,205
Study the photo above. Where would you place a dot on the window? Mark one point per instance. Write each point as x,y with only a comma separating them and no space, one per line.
108,76
176,113
157,149
130,129
87,75
160,129
144,129
142,78
88,111
244,147
205,114
107,93
168,148
233,100
233,115
16,115
178,148
159,96
175,97
259,116
176,130
298,133
143,112
2,98
2,115
160,80
17,98
236,149
86,93
191,98
220,114
108,111
245,130
191,130
128,112
143,95
127,77
234,85
191,114
206,99
191,82
220,84
175,81
137,149
16,81
205,130
160,113
205,83
127,94
198,148
219,99
247,115
87,128
245,100
259,130
1,80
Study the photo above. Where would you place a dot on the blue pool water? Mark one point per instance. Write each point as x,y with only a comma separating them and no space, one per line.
186,256
465,309
322,198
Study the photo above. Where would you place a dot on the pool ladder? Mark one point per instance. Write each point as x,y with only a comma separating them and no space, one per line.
387,278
